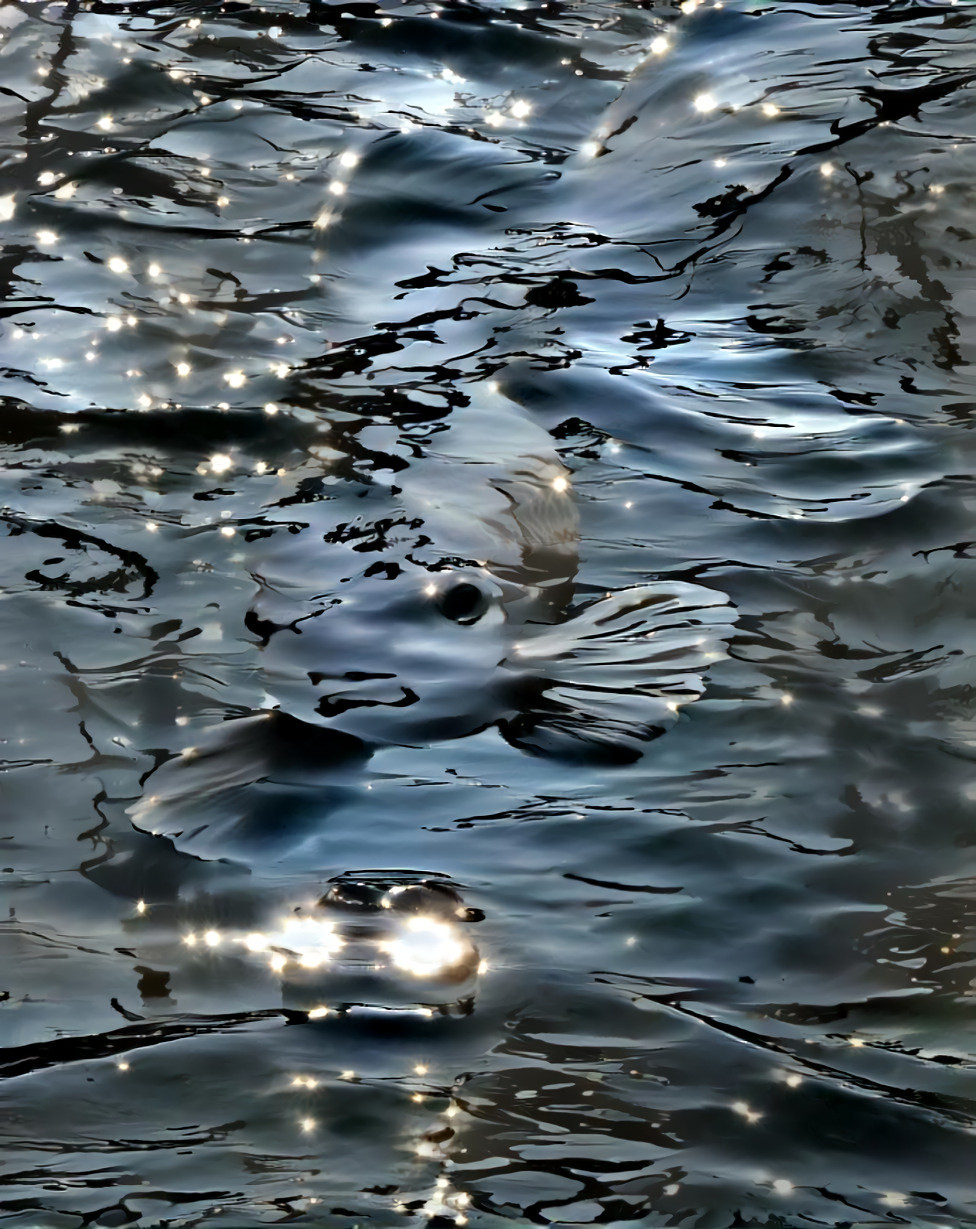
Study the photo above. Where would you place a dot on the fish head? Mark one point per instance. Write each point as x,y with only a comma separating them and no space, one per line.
413,656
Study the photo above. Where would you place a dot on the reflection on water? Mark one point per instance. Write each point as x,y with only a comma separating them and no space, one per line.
527,447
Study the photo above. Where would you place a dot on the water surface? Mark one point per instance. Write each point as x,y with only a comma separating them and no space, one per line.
259,264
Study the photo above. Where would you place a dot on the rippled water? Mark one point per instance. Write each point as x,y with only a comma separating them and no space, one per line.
481,391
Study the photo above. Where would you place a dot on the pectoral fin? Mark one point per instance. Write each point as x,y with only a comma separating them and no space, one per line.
616,673
237,785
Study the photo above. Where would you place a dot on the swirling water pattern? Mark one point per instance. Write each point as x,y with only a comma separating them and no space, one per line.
256,262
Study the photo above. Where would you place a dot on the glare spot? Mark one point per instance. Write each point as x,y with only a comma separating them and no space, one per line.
105,123
827,169
144,401
426,946
430,590
856,1042
894,1199
659,45
349,158
270,408
347,1075
317,1013
936,189
122,1066
494,119
324,219
236,379
770,109
211,938
66,191
337,187
793,1080
786,699
220,463
308,1124
190,940
46,238
113,324
140,906
705,102
227,531
720,162
560,485
277,962
184,298
745,1111
151,526
782,1186
8,206
46,178
521,109
183,369
420,1069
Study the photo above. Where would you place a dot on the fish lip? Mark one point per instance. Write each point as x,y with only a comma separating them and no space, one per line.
335,706
352,676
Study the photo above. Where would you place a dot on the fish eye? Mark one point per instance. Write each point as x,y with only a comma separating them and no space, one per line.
462,603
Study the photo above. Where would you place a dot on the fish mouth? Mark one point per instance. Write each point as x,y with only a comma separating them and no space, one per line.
334,706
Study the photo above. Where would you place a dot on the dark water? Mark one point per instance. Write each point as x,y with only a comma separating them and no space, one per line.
290,294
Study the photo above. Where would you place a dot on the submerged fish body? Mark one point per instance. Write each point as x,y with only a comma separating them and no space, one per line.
453,611
397,628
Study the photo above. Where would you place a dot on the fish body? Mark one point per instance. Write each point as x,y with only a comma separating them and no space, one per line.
449,604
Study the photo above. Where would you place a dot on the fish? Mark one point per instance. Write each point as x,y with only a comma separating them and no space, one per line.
448,604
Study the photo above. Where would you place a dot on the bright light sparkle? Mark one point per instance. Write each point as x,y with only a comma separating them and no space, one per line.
426,946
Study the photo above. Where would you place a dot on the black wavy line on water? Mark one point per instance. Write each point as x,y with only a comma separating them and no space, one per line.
622,887
77,539
23,1060
958,1110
